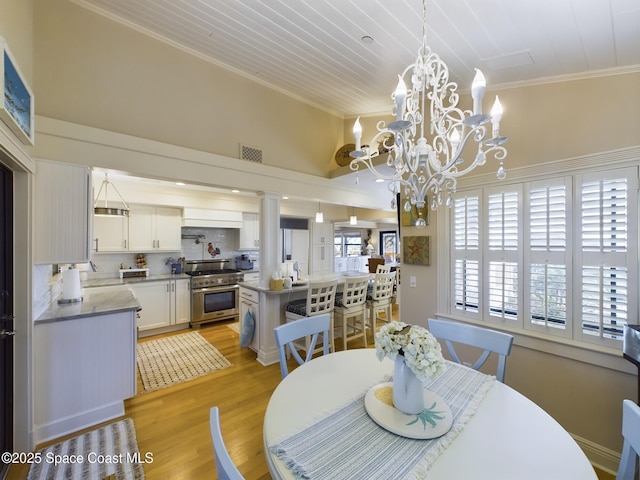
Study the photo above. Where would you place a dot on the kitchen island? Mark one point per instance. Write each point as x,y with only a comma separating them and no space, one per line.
268,309
84,362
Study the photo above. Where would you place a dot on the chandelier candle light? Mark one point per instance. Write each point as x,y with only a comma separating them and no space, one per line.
419,166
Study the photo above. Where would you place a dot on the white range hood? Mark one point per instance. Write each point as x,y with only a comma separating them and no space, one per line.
205,218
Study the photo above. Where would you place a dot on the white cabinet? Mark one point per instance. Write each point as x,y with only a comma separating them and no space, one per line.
165,304
154,229
110,233
250,301
84,369
250,232
62,213
155,302
251,276
322,233
182,301
322,248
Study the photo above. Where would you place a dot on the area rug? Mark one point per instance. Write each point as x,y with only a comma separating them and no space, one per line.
109,450
176,359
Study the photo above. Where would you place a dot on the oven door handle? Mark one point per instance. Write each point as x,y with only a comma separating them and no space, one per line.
221,288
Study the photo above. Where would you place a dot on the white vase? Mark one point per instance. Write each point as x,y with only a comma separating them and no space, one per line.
408,390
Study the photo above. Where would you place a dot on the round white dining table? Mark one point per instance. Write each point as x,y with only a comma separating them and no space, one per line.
508,438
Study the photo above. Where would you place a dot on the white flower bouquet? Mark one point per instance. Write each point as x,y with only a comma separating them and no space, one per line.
422,352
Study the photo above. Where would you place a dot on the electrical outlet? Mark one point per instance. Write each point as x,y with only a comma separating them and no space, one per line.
412,282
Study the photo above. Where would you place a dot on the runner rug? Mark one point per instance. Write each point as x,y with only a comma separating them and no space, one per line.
176,359
109,450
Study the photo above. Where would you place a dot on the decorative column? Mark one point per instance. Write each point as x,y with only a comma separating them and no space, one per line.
270,247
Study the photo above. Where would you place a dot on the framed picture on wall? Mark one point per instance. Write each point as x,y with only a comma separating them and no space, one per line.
415,250
409,218
17,108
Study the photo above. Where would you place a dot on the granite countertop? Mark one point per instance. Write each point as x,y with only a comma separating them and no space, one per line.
107,282
97,302
255,285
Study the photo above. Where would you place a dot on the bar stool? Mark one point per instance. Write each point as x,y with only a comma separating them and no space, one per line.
379,299
321,298
351,310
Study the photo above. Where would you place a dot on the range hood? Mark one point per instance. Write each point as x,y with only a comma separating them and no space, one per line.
205,218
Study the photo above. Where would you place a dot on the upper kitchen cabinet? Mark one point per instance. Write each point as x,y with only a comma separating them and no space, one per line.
250,232
154,229
322,233
62,212
110,233
322,248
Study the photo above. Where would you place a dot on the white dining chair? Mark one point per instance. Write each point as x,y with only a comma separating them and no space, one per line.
225,467
287,334
490,341
631,445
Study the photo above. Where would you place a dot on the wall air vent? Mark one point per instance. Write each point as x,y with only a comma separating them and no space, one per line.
250,153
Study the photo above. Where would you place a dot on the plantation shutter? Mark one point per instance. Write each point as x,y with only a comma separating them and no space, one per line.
466,254
608,277
503,273
547,257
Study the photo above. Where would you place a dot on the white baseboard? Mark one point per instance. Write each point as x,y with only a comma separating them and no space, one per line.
80,421
599,456
268,358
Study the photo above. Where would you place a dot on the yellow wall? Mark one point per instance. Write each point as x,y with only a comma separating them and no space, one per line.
96,72
16,26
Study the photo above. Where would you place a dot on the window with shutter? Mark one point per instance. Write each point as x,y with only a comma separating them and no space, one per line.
558,256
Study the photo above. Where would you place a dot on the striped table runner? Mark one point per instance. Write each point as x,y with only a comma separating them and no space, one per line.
347,443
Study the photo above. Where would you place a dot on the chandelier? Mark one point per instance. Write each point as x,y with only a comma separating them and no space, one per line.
418,166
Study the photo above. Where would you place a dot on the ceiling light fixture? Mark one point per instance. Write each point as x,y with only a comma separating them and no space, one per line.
106,210
319,215
353,220
431,104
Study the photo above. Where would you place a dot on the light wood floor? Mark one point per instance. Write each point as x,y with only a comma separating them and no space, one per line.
173,423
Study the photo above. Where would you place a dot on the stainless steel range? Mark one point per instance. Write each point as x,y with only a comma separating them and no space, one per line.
214,291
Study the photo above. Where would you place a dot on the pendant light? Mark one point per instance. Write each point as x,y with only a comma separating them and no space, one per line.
106,209
319,215
353,220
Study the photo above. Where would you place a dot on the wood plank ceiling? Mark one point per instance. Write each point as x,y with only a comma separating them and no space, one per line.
313,50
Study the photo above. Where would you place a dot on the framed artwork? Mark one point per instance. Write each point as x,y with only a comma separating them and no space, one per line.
415,250
409,218
17,108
